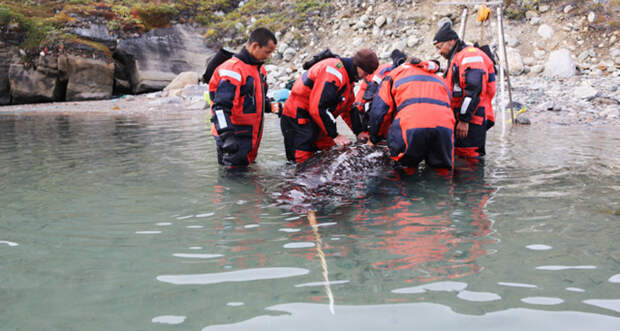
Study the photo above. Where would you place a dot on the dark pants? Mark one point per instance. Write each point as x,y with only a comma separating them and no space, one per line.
433,145
299,139
473,146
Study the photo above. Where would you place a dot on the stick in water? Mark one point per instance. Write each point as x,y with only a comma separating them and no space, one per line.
319,249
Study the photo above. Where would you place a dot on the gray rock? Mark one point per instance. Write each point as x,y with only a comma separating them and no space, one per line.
379,21
591,17
545,31
543,8
515,63
412,41
567,9
289,54
535,20
523,119
585,91
529,61
29,85
161,54
530,13
88,79
560,64
98,33
539,54
537,69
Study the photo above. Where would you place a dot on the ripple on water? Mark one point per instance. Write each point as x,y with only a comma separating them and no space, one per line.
445,286
478,296
235,304
289,230
10,243
233,276
575,289
169,319
197,256
542,301
204,215
565,267
305,244
611,304
331,282
538,247
148,232
517,285
614,278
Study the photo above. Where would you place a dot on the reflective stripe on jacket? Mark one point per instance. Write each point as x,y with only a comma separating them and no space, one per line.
467,62
238,91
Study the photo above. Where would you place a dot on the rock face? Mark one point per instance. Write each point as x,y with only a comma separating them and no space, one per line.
5,90
560,64
30,85
161,54
88,79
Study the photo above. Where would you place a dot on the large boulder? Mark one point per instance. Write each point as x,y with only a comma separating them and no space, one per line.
161,54
98,33
88,79
29,85
560,64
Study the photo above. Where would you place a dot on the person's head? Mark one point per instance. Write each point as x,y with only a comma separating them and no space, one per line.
398,57
445,39
366,62
261,44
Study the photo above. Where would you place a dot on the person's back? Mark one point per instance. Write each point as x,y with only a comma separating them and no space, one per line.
412,112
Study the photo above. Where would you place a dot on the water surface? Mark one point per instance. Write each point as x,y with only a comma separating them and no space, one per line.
126,222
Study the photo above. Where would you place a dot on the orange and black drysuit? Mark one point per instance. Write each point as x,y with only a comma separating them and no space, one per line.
412,111
318,97
238,89
471,77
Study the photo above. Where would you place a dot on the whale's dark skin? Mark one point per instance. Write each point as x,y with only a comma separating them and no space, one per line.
334,177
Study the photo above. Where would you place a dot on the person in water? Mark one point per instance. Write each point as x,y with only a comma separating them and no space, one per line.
470,74
412,111
317,98
238,89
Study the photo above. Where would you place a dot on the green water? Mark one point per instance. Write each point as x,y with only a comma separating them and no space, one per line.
127,223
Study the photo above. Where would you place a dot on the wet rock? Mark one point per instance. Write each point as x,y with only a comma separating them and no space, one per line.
523,119
585,91
161,54
29,85
545,31
88,79
560,64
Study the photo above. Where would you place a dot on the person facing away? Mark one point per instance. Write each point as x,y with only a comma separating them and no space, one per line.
470,74
369,87
317,98
238,89
412,112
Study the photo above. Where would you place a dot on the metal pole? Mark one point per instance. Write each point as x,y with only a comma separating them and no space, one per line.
463,24
502,93
501,26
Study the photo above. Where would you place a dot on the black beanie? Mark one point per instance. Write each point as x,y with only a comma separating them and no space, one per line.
398,57
445,33
367,60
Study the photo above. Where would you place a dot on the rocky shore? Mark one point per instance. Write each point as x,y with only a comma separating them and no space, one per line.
564,58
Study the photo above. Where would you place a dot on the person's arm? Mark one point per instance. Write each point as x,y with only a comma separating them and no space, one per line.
380,116
324,98
228,82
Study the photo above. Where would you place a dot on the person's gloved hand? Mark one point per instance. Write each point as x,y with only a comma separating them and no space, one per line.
363,136
229,143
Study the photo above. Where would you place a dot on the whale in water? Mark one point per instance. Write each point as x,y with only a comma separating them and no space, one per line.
333,177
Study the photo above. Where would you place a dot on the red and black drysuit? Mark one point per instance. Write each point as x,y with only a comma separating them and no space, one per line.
412,111
238,89
318,97
471,77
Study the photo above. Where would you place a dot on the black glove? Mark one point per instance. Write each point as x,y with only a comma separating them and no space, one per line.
229,142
